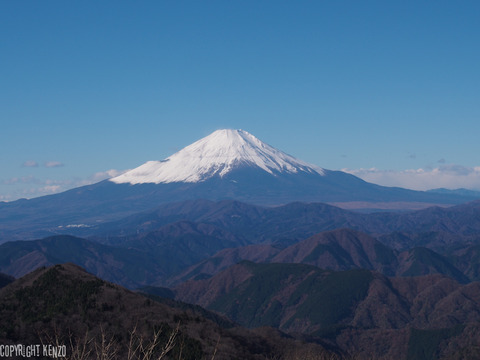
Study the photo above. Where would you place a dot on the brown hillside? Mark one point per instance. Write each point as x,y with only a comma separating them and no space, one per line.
67,304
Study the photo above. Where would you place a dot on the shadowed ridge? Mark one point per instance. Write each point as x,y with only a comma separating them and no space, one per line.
5,280
361,311
65,303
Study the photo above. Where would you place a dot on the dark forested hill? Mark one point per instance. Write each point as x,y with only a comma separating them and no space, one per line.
5,280
411,315
67,306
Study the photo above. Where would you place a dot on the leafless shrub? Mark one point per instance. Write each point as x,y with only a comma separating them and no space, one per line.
141,349
105,347
81,349
310,354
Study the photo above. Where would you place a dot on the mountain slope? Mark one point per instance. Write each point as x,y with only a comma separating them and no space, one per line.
65,304
224,259
423,261
185,250
288,224
216,155
150,259
396,315
165,242
228,164
5,279
235,156
129,267
341,249
182,244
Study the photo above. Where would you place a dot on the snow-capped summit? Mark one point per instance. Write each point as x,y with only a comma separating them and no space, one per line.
228,165
216,155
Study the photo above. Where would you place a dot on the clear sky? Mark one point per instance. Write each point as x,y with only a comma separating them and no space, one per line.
387,90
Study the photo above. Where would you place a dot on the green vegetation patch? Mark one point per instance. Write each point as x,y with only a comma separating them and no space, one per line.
339,254
5,280
425,259
326,300
319,297
424,344
251,303
318,251
53,294
384,254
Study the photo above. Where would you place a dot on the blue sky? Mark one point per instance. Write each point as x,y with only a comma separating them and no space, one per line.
389,91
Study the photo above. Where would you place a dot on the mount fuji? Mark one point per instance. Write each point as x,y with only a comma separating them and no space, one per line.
226,165
234,164
218,154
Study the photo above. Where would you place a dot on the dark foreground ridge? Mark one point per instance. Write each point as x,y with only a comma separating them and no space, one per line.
355,314
65,305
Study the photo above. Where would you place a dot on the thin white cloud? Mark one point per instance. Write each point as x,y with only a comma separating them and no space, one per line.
449,176
21,180
30,163
99,176
30,186
50,189
53,164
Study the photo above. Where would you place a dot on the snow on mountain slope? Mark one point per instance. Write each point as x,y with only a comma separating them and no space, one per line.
217,154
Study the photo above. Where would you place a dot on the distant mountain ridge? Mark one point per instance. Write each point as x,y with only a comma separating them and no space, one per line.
462,192
129,267
191,233
339,250
288,224
226,165
192,239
